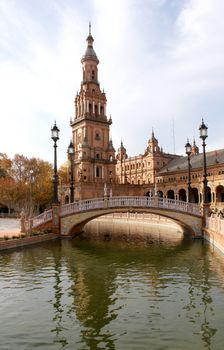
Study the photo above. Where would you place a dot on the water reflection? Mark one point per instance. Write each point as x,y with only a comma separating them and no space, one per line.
107,295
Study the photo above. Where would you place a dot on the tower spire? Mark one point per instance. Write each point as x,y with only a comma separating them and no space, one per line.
89,27
153,133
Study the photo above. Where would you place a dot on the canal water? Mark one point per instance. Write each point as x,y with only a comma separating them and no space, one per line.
79,294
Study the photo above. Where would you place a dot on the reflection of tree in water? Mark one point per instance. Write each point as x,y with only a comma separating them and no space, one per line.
199,292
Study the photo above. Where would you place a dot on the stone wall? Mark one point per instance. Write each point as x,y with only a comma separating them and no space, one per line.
21,242
214,232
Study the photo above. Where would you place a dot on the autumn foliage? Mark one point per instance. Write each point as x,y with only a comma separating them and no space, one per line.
25,184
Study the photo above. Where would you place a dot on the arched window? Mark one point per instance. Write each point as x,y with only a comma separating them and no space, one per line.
170,194
97,136
194,195
182,195
93,75
220,193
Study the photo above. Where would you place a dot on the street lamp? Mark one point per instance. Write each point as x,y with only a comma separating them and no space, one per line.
188,151
55,138
203,135
71,157
31,190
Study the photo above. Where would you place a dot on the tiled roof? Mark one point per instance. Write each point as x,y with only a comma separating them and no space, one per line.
90,53
180,164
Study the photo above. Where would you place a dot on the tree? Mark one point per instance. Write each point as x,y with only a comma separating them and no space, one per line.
5,165
26,184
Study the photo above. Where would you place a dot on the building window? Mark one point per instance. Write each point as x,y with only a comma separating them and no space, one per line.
98,171
97,156
93,75
97,136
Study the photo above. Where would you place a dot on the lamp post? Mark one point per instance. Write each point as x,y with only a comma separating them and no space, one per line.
31,191
71,157
203,135
188,150
55,138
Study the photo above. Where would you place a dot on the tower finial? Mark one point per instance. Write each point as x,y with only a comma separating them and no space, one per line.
153,133
89,27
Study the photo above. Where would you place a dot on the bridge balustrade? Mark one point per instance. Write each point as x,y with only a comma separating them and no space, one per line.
129,202
179,205
46,216
215,224
82,205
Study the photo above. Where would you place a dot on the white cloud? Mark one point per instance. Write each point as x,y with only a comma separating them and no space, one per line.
159,61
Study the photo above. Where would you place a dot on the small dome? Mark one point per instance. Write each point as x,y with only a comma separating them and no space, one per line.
90,53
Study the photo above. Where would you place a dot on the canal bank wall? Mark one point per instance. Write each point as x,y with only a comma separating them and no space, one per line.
26,241
214,232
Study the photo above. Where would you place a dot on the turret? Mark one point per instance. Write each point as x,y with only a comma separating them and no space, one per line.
194,148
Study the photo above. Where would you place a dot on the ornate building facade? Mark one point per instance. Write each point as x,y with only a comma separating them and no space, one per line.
98,170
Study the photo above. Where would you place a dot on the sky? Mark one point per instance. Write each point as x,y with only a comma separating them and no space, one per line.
161,66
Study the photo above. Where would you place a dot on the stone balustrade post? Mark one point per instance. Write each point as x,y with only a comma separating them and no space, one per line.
105,203
56,218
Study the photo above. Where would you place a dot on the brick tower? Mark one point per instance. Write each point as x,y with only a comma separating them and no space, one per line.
94,163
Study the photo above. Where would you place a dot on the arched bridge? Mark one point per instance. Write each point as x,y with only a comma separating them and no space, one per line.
69,219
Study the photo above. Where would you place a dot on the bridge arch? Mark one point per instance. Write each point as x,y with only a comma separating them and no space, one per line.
74,229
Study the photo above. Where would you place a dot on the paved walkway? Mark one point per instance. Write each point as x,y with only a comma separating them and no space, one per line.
9,227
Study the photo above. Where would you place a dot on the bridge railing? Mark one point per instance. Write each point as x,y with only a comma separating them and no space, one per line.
191,208
83,205
129,201
215,224
155,202
42,218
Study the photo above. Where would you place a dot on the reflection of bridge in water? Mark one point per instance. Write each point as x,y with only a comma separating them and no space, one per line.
69,219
